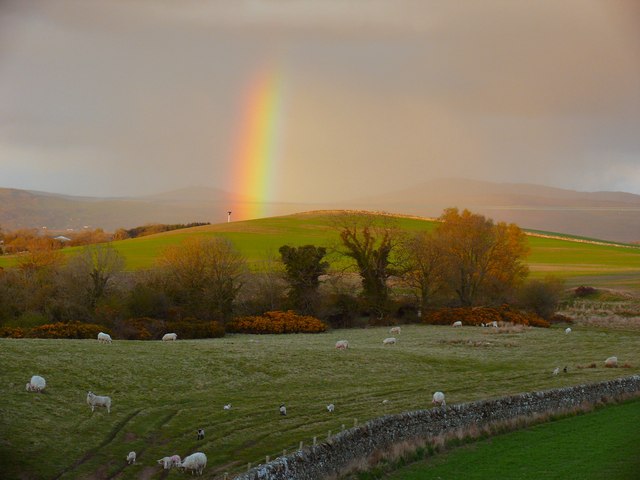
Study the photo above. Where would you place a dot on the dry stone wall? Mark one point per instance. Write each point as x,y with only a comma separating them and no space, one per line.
318,462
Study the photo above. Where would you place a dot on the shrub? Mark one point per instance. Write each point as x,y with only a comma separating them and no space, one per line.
141,328
12,332
66,330
583,291
277,322
193,328
486,315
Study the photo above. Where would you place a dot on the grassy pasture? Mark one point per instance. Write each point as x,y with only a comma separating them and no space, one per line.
559,450
163,392
258,240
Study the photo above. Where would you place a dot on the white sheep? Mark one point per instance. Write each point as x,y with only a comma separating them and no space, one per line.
36,384
283,409
556,370
342,344
389,341
395,330
104,337
227,407
131,458
194,462
567,330
438,399
94,401
611,362
331,407
169,337
457,324
169,462
494,324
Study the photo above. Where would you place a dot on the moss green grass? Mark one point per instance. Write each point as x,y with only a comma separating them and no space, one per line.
600,445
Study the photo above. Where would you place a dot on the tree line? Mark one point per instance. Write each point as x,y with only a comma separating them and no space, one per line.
465,260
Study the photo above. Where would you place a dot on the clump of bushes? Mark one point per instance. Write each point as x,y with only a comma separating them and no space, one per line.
486,315
55,330
277,322
145,328
583,291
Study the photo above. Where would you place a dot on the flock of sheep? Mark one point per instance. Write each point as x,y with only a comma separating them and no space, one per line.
195,463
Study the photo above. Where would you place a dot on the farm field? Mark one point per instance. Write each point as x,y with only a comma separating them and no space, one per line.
163,392
258,240
558,450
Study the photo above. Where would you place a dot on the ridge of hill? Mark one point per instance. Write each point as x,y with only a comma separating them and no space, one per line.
612,216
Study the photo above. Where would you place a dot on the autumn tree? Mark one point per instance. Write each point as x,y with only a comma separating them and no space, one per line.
370,240
483,261
203,276
423,266
303,267
91,274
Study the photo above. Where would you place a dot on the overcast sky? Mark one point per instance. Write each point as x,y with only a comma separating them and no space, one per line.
142,96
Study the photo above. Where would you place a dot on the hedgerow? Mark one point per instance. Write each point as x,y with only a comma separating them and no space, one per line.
277,322
486,315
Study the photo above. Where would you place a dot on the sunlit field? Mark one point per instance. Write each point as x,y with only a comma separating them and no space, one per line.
163,392
259,241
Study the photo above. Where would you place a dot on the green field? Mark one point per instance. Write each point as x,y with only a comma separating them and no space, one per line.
259,240
163,392
601,445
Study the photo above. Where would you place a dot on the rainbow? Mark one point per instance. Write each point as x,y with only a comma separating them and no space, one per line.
257,154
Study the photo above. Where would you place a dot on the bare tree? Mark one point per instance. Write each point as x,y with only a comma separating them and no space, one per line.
204,276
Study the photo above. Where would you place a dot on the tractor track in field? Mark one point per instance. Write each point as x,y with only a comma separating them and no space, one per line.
118,427
151,440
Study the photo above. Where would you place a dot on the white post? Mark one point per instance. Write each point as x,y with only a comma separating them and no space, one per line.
228,216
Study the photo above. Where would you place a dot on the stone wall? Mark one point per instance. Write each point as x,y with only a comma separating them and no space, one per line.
318,462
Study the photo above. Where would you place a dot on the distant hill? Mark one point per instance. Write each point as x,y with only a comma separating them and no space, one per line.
603,215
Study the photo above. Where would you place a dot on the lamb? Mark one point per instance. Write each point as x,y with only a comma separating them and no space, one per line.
168,462
227,406
389,341
438,399
611,362
194,462
394,330
567,330
94,401
556,370
169,337
36,384
457,324
131,458
104,337
283,409
342,344
200,434
331,407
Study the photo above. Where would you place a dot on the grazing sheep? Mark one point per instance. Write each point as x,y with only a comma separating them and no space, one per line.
104,337
494,324
200,434
556,370
438,399
227,406
567,330
457,324
385,401
482,325
169,337
611,362
342,344
36,384
283,409
131,458
331,407
94,401
194,462
389,341
395,330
